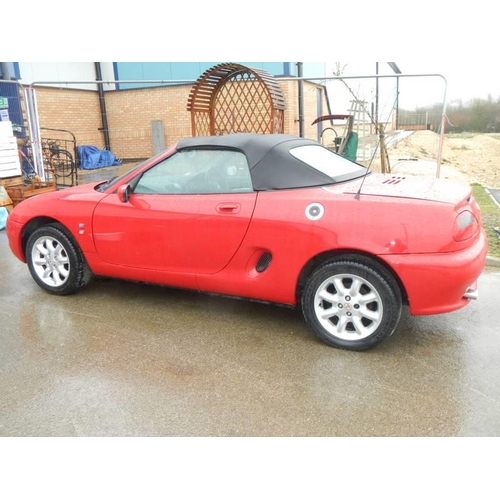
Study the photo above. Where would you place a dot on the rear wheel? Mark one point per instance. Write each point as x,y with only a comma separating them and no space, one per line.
352,302
55,261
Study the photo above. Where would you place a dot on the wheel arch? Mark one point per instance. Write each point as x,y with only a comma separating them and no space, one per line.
33,225
322,258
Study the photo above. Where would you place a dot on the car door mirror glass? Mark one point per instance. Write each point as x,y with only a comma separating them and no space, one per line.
124,193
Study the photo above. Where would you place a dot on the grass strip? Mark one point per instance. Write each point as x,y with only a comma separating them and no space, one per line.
491,218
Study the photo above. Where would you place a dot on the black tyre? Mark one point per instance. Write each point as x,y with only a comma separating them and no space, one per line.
352,302
55,261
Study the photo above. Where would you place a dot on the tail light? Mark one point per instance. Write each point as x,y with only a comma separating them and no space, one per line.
466,226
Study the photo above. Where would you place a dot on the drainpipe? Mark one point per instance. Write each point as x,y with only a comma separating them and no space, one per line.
301,99
5,71
102,104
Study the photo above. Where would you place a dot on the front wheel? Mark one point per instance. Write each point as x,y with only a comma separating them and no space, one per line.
55,261
352,302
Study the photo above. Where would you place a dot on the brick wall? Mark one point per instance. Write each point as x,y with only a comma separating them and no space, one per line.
291,91
130,113
74,110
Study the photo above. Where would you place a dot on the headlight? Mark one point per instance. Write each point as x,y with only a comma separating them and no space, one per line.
466,226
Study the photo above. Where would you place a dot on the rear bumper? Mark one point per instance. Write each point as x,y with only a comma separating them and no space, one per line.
440,283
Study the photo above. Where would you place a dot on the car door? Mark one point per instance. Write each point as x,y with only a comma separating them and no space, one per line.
186,214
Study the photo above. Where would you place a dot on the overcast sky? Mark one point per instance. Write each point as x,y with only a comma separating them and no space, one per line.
466,81
463,81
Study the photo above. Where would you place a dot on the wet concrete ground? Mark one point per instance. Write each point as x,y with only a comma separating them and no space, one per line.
125,359
106,173
495,193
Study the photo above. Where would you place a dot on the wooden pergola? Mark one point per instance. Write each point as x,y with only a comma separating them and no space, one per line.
230,98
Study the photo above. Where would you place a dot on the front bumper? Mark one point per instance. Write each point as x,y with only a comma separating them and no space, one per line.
14,230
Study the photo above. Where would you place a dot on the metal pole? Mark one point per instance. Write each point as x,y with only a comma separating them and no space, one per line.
291,78
301,98
397,103
284,78
376,97
34,131
443,125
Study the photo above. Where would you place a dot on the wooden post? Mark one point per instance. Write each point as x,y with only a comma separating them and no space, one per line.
385,166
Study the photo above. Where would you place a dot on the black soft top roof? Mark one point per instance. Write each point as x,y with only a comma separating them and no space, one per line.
271,165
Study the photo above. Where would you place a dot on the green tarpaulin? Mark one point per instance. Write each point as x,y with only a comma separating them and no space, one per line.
351,148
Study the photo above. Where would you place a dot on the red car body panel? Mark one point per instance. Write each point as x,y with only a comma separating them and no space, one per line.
279,226
212,242
72,207
177,233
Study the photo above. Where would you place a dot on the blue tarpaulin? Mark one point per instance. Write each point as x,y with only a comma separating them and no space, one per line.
92,157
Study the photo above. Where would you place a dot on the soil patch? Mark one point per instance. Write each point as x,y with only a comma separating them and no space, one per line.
465,157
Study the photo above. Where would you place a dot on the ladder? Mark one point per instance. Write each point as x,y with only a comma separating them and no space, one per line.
363,126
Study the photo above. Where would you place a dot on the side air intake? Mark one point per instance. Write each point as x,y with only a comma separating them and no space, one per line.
263,262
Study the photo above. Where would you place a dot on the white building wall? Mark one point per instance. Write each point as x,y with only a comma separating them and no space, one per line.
33,72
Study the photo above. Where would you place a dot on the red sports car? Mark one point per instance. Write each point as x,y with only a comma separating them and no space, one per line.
274,218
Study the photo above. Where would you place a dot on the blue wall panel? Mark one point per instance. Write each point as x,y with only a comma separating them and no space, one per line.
187,70
11,92
311,69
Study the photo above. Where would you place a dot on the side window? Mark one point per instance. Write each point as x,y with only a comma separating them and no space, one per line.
198,171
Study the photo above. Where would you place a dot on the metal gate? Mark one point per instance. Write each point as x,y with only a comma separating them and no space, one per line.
59,157
46,155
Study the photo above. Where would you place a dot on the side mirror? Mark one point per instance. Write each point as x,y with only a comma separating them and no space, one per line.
124,193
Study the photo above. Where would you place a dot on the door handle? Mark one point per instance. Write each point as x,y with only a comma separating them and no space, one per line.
228,208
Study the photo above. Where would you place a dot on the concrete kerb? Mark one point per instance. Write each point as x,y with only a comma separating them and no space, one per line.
492,261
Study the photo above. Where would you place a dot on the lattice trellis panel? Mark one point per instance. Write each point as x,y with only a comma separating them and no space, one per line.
231,98
202,124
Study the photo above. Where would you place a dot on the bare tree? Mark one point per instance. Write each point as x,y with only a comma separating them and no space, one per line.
380,129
